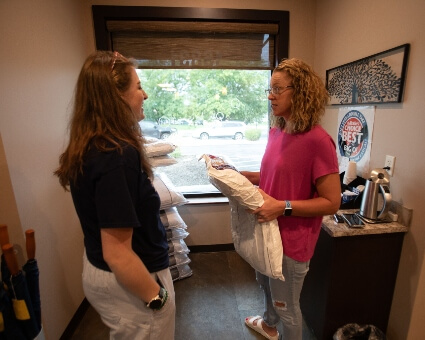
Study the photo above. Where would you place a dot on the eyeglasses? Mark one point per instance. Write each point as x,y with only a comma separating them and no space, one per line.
116,56
278,90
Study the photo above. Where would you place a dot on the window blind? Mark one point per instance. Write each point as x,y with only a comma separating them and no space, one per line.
196,44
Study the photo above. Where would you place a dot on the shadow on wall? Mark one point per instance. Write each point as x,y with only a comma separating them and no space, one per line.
8,208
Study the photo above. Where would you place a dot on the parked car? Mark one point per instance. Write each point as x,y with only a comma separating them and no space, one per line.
229,128
152,129
184,121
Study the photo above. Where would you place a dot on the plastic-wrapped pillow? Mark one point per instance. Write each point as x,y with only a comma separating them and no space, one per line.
161,161
167,192
159,148
171,218
178,260
176,234
259,244
180,272
177,246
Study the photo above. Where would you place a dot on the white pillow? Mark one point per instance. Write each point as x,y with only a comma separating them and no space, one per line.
177,246
171,218
168,194
180,272
259,244
178,260
160,161
159,148
176,234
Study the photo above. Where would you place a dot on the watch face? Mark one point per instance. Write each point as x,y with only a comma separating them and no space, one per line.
155,304
288,209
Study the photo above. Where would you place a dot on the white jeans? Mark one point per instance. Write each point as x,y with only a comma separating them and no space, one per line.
126,315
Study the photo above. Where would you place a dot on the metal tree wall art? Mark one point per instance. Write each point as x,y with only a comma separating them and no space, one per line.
372,80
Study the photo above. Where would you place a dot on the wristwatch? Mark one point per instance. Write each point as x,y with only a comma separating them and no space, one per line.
158,301
288,209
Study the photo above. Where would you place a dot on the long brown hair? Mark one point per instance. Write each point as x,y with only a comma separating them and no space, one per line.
100,116
309,97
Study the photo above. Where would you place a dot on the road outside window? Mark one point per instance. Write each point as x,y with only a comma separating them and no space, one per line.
218,112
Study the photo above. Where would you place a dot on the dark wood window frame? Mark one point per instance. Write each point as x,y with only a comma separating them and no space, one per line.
103,14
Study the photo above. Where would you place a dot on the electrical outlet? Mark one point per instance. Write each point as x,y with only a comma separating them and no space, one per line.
390,163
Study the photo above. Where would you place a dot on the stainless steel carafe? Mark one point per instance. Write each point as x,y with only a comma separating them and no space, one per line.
377,185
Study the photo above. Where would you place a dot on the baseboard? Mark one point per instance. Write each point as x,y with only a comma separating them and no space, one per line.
208,248
75,321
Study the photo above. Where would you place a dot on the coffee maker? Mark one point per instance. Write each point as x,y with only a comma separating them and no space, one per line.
377,186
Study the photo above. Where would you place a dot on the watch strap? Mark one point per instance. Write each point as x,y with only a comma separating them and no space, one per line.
288,209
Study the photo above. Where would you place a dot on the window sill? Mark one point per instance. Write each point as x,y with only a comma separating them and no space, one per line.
206,200
202,194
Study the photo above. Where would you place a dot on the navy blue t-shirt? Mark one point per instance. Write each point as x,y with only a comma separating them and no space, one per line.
114,192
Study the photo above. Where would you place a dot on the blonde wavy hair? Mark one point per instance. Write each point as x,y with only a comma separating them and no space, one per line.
309,97
100,117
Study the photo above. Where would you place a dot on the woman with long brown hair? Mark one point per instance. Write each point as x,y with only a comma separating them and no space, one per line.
126,274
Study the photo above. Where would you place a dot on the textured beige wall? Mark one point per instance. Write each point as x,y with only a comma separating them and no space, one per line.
350,30
43,47
8,210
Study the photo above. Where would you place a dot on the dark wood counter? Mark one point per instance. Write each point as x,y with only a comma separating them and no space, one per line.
352,276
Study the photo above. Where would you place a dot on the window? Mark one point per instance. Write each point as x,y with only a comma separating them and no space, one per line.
205,71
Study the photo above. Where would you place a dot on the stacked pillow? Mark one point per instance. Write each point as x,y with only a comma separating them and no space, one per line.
168,194
175,227
158,152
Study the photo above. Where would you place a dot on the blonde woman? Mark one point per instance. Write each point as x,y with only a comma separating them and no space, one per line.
299,181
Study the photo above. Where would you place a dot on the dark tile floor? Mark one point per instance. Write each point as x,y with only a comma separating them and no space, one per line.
211,304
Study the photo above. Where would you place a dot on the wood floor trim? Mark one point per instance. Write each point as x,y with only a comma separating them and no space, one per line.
76,320
211,248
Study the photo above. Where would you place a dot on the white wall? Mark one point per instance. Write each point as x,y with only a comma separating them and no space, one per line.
350,30
43,47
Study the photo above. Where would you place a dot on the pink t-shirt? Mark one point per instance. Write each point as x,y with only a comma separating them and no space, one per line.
290,167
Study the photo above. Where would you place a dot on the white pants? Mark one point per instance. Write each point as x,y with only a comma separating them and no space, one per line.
126,315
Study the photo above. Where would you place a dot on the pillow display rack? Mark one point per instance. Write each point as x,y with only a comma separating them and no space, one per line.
175,227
